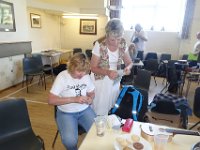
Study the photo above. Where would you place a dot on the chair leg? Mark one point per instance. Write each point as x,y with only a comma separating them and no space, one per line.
40,79
163,81
194,125
31,80
155,80
27,83
41,141
44,82
54,140
165,87
188,87
23,81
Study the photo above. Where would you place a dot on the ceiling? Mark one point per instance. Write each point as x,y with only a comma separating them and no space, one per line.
70,6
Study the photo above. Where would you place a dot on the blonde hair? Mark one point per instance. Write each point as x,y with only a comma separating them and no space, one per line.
78,62
132,50
132,47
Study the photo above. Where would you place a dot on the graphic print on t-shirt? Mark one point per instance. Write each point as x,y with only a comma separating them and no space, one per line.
77,88
78,92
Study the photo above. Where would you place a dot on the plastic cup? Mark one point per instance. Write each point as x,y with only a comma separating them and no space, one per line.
160,141
100,122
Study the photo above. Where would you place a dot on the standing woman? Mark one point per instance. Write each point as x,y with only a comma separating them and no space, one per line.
196,49
106,64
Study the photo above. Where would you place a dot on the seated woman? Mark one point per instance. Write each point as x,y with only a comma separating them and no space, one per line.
73,92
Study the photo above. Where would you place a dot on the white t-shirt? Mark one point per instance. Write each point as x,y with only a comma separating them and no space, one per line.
140,45
66,86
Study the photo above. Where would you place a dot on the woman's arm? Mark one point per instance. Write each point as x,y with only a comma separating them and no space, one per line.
128,63
95,60
98,70
142,35
90,96
56,100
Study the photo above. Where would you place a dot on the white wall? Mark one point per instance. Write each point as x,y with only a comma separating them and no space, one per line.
71,38
21,33
46,37
11,67
160,42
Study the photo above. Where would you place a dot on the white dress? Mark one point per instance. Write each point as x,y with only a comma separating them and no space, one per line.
106,90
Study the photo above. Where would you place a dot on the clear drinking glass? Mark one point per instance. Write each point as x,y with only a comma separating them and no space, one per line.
100,122
160,141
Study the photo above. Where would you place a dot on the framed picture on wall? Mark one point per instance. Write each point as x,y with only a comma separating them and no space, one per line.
88,26
35,20
7,18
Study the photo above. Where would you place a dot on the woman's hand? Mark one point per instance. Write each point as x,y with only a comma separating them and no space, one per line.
83,100
127,71
112,74
89,100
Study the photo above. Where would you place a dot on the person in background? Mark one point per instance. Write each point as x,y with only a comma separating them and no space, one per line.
107,58
132,51
139,38
194,56
196,49
73,92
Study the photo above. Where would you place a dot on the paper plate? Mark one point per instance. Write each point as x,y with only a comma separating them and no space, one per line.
117,146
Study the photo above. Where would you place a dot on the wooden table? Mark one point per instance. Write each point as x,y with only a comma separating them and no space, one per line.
93,142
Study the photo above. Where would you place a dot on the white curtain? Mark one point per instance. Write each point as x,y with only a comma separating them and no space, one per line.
189,12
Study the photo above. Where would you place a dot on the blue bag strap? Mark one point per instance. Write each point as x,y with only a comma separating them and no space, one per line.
141,101
135,95
123,91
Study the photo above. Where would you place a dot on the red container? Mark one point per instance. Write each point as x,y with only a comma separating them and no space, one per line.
128,125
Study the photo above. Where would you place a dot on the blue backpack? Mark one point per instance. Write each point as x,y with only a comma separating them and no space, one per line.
129,104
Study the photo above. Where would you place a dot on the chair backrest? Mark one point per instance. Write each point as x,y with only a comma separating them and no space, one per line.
171,63
165,57
151,55
140,55
172,75
185,57
38,57
143,79
14,117
31,65
151,65
196,105
88,52
77,50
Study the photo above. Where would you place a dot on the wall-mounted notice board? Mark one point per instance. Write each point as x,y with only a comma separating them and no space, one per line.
15,48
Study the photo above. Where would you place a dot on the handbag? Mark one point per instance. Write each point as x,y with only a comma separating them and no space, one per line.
172,120
135,40
164,113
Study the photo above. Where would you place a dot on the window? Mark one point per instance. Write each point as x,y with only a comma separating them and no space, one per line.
157,15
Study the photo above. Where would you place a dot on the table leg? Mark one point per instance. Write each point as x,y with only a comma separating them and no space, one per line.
51,63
